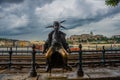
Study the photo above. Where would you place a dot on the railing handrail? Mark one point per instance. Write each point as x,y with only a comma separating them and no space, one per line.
38,51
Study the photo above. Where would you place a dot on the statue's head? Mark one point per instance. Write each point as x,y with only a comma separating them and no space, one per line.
56,25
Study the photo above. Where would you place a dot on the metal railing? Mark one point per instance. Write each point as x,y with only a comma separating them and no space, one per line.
32,52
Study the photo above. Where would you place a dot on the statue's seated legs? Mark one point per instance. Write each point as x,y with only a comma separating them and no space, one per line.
47,67
53,58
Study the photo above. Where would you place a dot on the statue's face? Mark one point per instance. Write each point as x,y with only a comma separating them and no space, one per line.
56,25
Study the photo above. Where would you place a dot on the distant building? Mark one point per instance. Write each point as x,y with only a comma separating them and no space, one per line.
2,43
98,37
6,43
116,36
84,38
91,33
37,42
22,43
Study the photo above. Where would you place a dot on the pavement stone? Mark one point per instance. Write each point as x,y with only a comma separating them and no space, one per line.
98,73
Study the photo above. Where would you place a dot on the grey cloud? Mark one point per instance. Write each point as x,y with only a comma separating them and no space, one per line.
77,22
14,32
27,7
11,1
37,23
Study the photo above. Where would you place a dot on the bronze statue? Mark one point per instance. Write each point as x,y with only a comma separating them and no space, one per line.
56,48
56,35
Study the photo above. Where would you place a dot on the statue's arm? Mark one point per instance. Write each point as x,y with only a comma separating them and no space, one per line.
65,44
47,44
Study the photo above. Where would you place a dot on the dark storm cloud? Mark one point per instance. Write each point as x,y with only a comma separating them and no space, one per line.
15,32
11,14
29,18
77,22
11,1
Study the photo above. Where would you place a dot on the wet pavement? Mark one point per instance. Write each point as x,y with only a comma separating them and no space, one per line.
98,73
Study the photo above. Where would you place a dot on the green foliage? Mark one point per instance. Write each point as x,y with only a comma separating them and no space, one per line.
69,42
112,2
117,40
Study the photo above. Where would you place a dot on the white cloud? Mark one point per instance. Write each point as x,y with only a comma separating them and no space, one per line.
32,16
21,21
108,27
12,7
71,9
13,21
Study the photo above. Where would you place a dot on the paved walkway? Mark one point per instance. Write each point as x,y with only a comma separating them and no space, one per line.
108,73
103,73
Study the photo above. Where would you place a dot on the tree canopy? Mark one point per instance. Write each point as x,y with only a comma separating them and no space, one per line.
112,2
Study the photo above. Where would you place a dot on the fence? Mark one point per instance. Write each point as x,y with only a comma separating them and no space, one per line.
79,59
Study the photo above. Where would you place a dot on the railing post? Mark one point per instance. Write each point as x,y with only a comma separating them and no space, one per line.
16,50
80,70
96,48
27,50
88,47
2,51
10,57
111,48
7,48
33,72
103,56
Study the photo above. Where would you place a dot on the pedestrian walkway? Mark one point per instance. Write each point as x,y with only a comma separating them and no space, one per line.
98,73
108,73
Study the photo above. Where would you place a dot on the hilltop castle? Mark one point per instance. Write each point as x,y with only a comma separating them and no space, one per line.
84,38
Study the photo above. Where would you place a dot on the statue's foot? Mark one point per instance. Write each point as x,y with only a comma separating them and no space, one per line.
47,68
68,68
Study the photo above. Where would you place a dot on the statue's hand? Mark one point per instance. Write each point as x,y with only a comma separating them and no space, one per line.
44,52
69,51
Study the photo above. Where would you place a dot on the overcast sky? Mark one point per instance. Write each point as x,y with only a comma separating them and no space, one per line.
27,19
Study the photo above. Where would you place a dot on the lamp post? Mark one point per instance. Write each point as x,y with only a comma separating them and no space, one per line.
10,56
103,55
80,70
33,72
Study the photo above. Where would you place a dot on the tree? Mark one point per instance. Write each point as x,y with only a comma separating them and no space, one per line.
112,2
